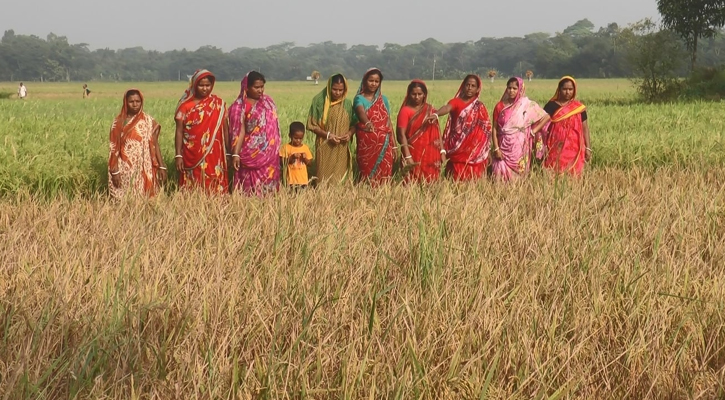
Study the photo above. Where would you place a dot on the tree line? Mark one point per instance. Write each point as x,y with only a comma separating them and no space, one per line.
579,50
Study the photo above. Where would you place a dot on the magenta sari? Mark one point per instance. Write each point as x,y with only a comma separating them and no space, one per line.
513,131
259,173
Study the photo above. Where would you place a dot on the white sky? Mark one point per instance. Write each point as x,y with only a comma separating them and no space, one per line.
176,24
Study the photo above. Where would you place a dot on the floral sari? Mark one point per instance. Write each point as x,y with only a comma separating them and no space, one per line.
334,161
466,137
203,150
259,173
565,139
132,153
513,130
424,141
375,150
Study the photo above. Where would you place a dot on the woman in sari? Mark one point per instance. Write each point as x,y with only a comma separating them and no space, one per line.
374,130
466,136
135,164
330,120
516,121
567,141
201,126
419,138
255,136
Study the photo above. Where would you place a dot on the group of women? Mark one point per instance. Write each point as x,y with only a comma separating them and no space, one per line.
246,136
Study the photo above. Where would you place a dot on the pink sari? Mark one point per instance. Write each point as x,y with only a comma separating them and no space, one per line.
260,170
513,131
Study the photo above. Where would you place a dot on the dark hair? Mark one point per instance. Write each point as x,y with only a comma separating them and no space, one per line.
132,92
373,71
475,77
296,126
563,81
254,76
414,85
512,80
338,79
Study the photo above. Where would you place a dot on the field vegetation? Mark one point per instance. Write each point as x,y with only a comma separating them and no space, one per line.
611,286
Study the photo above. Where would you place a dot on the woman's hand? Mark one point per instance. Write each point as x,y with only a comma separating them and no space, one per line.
116,180
588,154
179,163
369,126
497,153
162,175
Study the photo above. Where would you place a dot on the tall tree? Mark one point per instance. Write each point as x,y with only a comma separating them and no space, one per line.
692,20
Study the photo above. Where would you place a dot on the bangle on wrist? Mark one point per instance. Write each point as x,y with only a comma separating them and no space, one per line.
443,151
408,157
164,168
115,173
235,155
178,156
589,148
436,115
328,136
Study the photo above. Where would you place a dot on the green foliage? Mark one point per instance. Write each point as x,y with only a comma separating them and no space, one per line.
655,56
692,20
6,94
706,83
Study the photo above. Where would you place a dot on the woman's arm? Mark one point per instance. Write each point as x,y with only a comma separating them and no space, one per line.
159,157
362,116
178,144
538,125
587,141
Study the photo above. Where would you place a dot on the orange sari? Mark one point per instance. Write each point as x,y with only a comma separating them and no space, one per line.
132,153
203,150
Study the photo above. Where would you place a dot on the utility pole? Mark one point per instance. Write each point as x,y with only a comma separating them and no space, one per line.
434,67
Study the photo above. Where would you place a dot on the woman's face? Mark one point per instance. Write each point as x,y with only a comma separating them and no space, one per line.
337,90
256,91
372,83
470,88
512,90
203,88
566,92
416,96
133,104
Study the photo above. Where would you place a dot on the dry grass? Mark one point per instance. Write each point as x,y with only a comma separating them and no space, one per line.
608,287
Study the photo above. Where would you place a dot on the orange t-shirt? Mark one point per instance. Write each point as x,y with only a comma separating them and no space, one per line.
296,171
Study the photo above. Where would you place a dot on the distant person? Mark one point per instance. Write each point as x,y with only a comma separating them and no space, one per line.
255,137
568,145
419,136
374,131
201,130
516,122
86,91
331,120
135,165
467,132
295,157
22,91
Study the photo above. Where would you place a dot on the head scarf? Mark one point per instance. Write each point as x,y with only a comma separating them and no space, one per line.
565,78
190,93
321,103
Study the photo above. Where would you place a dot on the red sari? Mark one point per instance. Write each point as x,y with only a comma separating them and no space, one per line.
424,142
203,149
466,137
375,150
565,139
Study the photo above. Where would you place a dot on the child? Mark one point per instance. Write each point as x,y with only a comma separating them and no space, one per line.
296,156
22,91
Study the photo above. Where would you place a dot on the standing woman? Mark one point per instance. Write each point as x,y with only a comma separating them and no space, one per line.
330,120
201,126
134,163
419,136
467,132
374,131
567,142
255,137
516,121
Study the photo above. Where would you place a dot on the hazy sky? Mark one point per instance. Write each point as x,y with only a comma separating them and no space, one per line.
176,24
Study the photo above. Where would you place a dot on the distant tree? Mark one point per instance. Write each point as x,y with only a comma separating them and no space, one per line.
692,20
580,28
655,56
